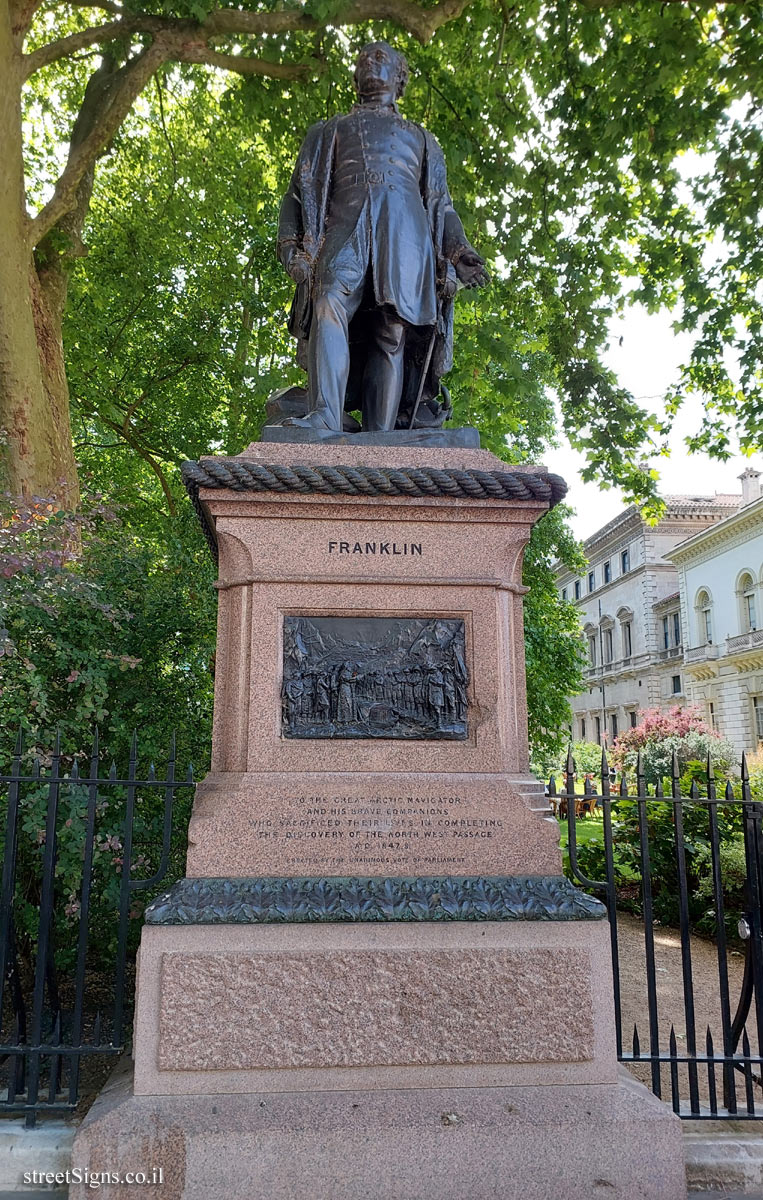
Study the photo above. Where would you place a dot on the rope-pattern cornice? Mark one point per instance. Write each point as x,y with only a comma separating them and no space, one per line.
243,475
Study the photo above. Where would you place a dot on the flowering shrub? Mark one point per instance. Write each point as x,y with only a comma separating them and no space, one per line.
659,734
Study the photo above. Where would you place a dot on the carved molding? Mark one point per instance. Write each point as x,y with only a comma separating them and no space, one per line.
242,475
235,555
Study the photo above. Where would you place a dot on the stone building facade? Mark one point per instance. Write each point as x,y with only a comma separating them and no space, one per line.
631,616
720,574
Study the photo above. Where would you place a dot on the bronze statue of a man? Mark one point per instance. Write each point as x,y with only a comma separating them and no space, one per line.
369,234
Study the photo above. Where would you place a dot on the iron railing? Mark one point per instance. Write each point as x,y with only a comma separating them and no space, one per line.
50,1022
719,1074
47,1027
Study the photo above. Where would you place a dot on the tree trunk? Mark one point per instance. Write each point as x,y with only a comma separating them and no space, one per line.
35,444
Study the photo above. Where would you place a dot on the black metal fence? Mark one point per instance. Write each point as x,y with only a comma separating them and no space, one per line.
60,954
691,866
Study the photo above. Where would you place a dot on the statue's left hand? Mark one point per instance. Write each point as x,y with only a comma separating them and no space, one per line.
470,269
299,268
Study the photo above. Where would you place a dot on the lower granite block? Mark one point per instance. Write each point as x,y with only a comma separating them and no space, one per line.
244,1008
586,1142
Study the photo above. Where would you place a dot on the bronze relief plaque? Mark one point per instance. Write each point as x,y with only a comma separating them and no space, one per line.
374,677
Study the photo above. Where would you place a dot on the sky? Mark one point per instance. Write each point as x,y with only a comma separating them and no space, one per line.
646,364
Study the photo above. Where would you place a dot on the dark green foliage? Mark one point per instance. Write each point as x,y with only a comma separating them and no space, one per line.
553,646
660,824
104,626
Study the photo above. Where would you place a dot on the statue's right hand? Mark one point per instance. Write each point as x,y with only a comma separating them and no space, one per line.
299,268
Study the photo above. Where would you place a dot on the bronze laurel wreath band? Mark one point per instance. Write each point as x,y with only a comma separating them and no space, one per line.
336,899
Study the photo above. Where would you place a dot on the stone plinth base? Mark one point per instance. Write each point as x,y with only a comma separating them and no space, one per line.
289,1007
586,1142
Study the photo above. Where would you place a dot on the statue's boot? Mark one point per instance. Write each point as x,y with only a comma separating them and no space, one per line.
313,420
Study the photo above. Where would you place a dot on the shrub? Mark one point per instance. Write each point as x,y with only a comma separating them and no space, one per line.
101,624
660,825
659,734
587,759
731,856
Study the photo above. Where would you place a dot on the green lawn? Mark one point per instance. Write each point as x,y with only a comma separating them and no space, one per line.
587,829
590,830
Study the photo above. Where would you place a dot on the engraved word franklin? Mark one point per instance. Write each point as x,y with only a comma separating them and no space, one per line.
396,549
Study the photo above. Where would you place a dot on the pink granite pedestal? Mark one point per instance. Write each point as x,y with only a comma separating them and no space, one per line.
311,806
385,1058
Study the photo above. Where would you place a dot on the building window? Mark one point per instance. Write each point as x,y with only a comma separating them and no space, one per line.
608,646
564,594
671,630
591,580
625,562
582,729
633,718
711,715
607,571
613,723
676,685
577,589
747,595
592,650
598,730
757,706
704,610
627,639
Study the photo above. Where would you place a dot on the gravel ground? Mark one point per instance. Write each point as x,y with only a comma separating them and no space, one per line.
670,998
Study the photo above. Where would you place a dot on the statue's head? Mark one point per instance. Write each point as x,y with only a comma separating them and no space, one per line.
380,68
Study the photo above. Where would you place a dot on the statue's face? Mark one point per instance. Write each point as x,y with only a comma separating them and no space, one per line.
377,69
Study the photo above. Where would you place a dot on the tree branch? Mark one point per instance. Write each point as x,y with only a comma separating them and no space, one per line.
604,4
148,458
192,361
244,65
421,23
22,13
99,35
186,41
225,22
128,84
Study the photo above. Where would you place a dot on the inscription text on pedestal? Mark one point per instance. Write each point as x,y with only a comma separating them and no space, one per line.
374,677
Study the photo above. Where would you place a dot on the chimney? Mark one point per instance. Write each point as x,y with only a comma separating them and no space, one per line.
750,485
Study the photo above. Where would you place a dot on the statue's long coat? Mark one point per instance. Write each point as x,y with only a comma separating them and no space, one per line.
303,223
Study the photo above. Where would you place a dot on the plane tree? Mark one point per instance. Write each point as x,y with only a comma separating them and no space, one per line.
602,151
